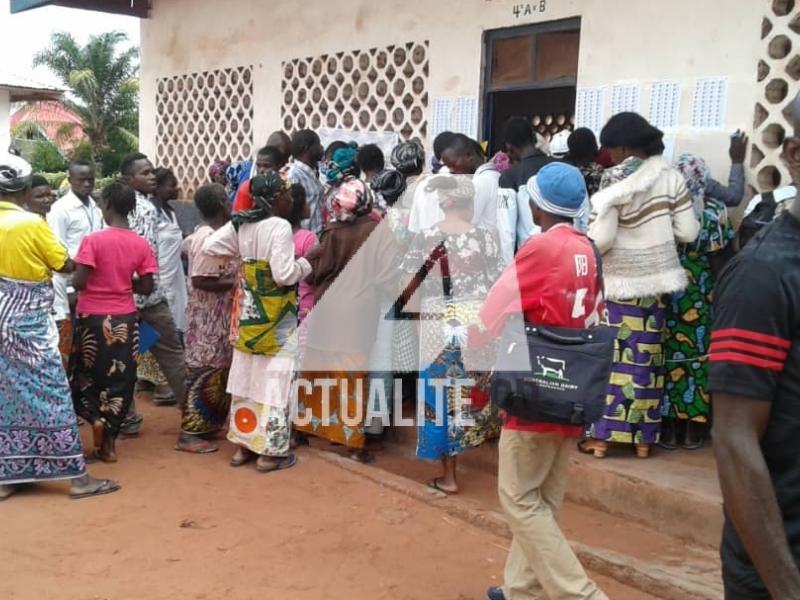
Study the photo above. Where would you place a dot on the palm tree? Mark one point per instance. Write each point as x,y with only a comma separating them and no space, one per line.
103,85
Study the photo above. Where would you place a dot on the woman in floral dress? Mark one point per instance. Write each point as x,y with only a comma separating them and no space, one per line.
687,401
454,264
207,337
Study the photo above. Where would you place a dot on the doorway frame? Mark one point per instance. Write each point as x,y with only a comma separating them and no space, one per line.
534,29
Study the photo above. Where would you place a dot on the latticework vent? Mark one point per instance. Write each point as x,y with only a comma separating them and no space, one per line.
381,89
549,125
779,81
202,117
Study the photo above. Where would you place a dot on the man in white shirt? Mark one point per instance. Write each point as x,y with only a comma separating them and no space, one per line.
72,217
462,156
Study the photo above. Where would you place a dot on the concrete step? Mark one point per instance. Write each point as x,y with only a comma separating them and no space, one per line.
645,558
676,491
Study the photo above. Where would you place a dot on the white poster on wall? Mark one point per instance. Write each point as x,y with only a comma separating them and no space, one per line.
710,103
625,97
665,98
590,109
458,114
385,140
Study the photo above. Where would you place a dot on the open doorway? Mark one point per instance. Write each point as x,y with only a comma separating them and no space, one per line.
531,71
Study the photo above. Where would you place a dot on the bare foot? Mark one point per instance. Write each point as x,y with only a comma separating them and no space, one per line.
242,456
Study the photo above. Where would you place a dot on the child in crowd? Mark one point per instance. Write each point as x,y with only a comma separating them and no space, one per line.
112,264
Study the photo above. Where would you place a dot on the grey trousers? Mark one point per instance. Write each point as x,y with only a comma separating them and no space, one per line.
168,350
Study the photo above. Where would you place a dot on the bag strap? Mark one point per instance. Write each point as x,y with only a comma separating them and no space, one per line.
599,266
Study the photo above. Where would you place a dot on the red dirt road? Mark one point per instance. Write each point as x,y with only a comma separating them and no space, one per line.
191,527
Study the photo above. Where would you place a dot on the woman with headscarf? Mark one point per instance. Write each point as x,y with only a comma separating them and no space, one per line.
641,213
265,324
687,400
339,169
455,264
39,439
216,172
352,264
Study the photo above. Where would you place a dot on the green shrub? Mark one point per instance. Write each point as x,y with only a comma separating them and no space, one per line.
56,180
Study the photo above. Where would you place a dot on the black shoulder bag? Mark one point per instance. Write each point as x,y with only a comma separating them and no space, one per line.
554,374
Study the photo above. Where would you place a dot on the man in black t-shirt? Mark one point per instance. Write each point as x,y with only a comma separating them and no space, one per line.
755,381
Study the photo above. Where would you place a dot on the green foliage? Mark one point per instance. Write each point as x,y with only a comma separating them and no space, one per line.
56,180
46,157
102,79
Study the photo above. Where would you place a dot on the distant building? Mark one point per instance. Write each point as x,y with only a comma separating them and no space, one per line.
55,121
14,88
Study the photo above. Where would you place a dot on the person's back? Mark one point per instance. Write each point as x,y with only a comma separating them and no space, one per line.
28,248
115,255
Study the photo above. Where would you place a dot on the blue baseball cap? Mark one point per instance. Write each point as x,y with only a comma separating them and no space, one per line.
559,189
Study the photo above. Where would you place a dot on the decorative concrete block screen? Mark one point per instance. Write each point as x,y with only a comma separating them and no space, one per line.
779,81
381,89
202,117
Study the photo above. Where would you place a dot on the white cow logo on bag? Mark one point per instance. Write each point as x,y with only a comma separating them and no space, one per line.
551,368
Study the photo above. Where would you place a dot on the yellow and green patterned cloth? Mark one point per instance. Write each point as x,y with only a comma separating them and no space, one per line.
266,313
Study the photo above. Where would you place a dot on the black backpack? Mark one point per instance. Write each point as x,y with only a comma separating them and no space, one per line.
763,214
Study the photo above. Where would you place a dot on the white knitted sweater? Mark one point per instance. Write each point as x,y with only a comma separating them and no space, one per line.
636,224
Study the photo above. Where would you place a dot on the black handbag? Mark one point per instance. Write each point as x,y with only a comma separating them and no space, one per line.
554,374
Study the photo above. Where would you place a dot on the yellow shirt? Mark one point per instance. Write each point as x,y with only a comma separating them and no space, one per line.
29,249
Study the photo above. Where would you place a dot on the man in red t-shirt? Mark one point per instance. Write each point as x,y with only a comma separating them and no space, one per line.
553,281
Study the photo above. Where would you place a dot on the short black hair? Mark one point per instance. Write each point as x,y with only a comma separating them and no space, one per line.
39,181
128,161
303,140
333,147
463,145
441,142
518,133
632,130
298,204
209,199
80,163
273,154
119,197
370,158
163,175
582,145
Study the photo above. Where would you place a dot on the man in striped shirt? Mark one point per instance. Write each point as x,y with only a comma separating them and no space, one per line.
755,381
307,152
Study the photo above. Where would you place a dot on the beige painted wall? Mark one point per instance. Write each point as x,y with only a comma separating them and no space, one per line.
622,40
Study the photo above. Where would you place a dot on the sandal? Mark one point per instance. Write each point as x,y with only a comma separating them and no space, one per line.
598,448
107,486
196,446
286,462
242,460
434,484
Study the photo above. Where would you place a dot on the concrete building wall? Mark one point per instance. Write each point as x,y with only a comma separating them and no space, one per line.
5,120
621,41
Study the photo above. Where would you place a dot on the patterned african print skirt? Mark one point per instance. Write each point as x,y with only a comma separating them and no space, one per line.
65,344
336,409
688,337
147,369
636,388
261,428
207,401
105,372
443,430
39,438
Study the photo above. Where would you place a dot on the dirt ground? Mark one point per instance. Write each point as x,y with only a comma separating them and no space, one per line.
191,527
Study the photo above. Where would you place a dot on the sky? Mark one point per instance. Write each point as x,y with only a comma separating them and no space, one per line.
24,34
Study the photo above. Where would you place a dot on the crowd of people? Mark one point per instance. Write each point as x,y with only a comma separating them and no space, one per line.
323,288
